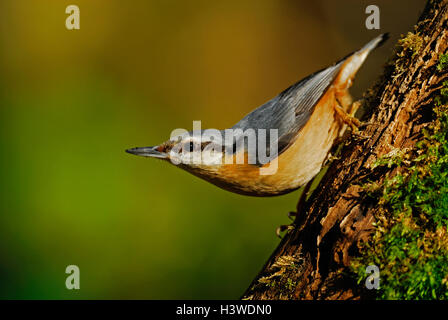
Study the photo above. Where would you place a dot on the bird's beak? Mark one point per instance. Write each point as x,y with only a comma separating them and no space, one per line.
148,152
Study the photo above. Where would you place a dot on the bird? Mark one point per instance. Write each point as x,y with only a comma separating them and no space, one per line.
301,124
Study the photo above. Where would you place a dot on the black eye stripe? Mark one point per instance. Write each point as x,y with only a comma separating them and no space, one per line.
190,146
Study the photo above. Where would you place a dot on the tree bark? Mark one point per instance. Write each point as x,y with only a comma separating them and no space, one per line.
312,259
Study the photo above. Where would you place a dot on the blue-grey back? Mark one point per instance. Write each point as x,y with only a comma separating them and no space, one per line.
289,111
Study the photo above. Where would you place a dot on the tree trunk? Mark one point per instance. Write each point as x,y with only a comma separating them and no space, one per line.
312,260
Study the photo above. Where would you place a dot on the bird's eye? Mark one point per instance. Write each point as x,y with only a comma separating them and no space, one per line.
188,146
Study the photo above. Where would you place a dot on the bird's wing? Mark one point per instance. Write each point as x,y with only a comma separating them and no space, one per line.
290,110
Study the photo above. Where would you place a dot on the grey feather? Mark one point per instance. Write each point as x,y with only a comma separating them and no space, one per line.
290,110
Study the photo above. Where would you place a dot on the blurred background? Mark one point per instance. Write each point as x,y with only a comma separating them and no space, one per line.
72,101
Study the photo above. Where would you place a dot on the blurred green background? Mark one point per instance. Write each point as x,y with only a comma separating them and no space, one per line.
72,101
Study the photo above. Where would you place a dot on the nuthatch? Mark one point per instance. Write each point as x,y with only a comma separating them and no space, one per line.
307,118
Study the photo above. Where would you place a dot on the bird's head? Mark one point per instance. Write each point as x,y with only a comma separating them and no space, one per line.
197,152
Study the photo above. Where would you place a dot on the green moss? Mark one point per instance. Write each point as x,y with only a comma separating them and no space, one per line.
408,47
412,43
290,285
442,98
394,158
410,241
443,62
282,276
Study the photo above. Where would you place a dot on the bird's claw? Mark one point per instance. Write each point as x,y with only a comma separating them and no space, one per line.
347,118
292,215
282,228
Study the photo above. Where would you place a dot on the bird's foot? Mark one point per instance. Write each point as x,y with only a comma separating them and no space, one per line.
292,215
283,228
347,119
330,158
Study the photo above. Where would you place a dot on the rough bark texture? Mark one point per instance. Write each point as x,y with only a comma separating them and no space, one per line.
313,257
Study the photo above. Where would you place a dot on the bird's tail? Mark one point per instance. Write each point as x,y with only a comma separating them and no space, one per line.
352,63
375,43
